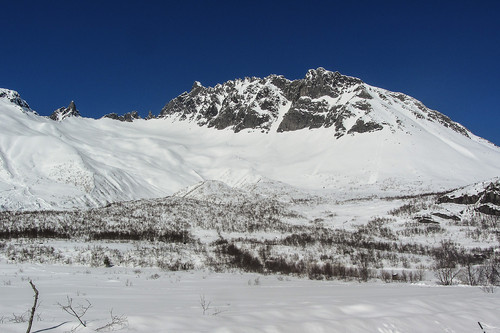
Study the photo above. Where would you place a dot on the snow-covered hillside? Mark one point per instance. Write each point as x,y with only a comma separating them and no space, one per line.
326,134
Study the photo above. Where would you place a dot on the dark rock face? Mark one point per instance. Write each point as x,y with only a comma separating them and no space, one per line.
362,127
362,93
322,99
128,117
489,210
461,200
492,194
150,115
295,119
319,83
112,115
236,104
131,116
447,216
255,103
305,113
65,112
486,200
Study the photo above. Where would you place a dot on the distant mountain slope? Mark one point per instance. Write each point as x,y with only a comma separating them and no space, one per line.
327,133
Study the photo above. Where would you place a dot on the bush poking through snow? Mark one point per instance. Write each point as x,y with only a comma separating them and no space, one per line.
107,262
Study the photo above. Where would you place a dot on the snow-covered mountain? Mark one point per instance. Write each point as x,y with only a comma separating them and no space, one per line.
326,134
15,99
65,112
323,99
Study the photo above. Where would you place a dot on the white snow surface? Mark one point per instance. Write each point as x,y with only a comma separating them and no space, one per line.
151,300
86,162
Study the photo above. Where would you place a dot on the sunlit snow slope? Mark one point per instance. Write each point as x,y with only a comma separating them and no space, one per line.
365,139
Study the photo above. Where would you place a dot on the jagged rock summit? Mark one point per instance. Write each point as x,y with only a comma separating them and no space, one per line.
128,117
322,99
65,112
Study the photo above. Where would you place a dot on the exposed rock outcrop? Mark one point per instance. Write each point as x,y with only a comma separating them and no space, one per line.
128,117
485,197
14,97
322,99
65,112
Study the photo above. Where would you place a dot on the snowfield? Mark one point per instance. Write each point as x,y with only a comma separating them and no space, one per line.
158,301
259,205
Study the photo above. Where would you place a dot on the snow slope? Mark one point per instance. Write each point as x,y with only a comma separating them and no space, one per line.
398,147
156,301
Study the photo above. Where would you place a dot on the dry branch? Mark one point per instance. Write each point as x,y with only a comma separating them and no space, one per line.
33,309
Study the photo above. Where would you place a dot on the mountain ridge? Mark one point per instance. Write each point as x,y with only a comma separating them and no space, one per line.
328,135
321,99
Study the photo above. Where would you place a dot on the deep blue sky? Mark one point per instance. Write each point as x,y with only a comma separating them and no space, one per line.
119,56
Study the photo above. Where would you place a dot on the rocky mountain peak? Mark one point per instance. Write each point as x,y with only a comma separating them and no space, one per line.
321,74
65,112
150,115
14,97
322,99
72,107
127,117
196,85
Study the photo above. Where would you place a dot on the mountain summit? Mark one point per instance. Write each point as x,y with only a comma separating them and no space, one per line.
65,112
322,99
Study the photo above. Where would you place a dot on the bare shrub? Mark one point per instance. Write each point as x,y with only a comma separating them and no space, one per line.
446,267
116,323
205,305
77,311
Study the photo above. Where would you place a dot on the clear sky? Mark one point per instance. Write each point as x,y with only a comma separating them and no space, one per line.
119,56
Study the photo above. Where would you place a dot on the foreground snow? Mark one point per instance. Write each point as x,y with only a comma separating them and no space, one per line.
160,301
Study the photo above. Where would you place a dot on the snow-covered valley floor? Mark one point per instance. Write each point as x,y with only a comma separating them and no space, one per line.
153,300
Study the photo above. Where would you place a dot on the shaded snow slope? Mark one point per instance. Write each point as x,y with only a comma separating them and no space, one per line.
392,145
